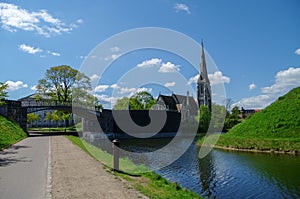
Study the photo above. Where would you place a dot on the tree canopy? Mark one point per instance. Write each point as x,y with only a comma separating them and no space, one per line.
3,93
139,101
61,82
204,118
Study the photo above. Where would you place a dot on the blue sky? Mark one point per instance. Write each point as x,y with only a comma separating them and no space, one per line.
255,44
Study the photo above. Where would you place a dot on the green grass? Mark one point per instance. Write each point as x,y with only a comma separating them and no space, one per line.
276,128
147,182
10,133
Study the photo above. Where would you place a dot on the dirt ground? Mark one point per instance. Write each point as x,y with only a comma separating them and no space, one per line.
77,175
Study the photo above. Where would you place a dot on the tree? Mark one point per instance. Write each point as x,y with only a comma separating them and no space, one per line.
3,93
219,113
61,81
204,118
142,101
31,117
139,101
122,104
52,117
232,118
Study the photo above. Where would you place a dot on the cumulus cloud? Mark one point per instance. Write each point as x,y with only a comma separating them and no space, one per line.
182,7
297,52
168,68
105,99
14,18
170,84
115,86
150,63
13,86
101,88
29,49
33,87
218,78
252,86
33,50
255,102
215,78
94,77
284,81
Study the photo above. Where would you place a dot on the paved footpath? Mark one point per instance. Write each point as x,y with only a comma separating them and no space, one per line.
23,169
52,167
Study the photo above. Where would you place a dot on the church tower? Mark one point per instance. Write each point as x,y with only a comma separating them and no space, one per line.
203,84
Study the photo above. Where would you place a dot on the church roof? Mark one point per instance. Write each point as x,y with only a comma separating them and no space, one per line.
182,99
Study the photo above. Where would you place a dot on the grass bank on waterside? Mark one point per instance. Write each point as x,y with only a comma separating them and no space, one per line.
274,129
10,133
268,145
147,182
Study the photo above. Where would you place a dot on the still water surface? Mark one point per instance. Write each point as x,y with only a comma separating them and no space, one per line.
223,174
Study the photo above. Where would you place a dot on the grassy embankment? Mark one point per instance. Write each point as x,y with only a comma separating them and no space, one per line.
10,133
149,183
275,129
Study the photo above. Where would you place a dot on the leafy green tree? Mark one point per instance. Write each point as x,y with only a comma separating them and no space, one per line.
122,104
142,101
52,117
3,93
60,81
31,117
139,101
204,118
218,116
232,118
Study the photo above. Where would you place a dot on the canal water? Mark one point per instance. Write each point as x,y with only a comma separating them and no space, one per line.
223,174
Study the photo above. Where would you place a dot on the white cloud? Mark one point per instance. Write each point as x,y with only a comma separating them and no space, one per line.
150,63
79,21
29,49
115,86
297,52
111,57
256,102
106,99
94,77
215,78
182,7
12,18
53,53
168,68
193,80
252,86
284,81
33,88
13,86
170,84
218,78
115,49
101,88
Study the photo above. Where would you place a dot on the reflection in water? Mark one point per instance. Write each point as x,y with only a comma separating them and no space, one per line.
224,174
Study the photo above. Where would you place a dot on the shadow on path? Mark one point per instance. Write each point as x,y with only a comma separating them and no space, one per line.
54,133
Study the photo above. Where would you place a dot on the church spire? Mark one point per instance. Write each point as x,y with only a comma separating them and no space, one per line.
203,84
203,70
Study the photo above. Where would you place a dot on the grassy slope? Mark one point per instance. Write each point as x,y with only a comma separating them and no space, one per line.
149,183
10,133
276,128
